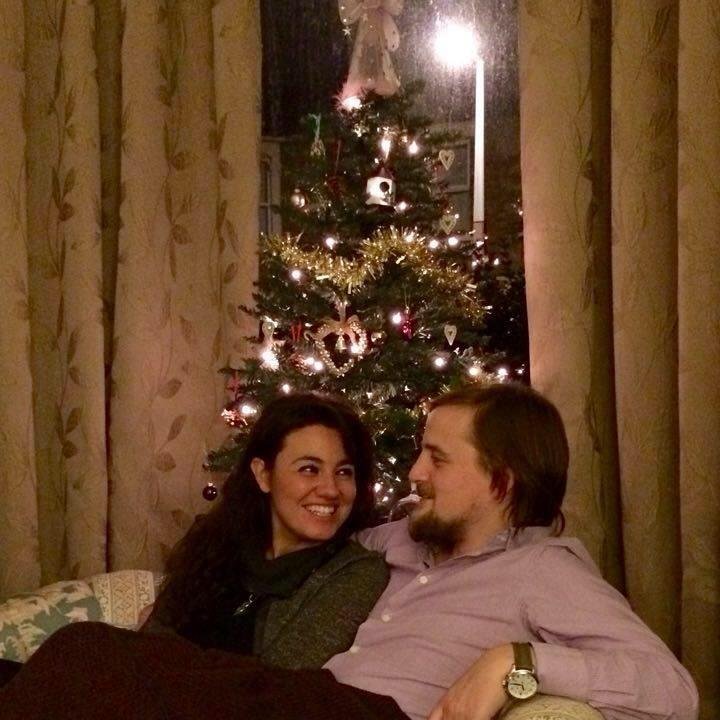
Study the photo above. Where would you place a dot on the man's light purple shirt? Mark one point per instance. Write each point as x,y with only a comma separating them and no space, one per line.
433,621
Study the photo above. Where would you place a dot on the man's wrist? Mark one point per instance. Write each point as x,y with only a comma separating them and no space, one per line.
521,681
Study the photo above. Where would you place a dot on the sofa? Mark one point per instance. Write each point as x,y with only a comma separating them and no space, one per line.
118,597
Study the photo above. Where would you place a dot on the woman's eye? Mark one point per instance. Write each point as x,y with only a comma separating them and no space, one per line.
348,472
308,469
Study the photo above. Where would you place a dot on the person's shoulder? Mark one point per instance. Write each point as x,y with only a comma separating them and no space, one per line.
383,537
352,553
562,552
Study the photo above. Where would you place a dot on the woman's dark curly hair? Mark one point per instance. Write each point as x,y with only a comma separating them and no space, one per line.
203,567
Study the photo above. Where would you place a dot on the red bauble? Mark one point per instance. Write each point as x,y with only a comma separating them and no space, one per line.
210,492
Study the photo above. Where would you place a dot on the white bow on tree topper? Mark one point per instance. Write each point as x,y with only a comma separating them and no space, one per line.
371,67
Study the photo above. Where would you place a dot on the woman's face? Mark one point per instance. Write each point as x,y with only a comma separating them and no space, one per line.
311,487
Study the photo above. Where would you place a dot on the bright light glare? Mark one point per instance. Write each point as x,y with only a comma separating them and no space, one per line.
352,103
456,45
396,318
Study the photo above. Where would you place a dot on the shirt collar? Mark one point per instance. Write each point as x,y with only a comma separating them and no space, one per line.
507,539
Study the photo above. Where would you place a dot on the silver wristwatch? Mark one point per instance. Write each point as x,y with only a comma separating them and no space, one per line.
521,682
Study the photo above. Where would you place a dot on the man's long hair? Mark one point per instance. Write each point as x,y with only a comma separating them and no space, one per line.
203,567
518,430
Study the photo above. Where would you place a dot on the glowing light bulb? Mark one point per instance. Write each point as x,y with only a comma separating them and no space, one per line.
330,242
496,262
413,148
501,373
309,360
355,349
434,244
318,366
402,206
270,359
439,362
453,241
247,410
386,145
353,102
286,388
474,371
396,318
296,274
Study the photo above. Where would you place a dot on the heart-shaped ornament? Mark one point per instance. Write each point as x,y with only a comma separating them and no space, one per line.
450,333
447,158
447,222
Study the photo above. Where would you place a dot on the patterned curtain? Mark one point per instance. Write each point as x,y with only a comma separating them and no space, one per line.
620,118
128,217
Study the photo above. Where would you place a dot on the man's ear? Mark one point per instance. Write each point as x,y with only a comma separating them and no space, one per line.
502,484
261,473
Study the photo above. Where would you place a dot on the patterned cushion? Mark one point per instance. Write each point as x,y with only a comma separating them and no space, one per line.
123,594
27,620
550,707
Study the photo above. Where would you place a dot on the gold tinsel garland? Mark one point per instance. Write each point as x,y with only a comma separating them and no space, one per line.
373,253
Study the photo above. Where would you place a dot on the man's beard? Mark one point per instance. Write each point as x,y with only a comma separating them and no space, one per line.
442,536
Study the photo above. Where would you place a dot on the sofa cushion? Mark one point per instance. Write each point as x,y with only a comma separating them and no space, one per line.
27,620
122,594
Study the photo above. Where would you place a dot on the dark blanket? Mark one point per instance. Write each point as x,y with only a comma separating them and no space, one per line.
8,670
91,671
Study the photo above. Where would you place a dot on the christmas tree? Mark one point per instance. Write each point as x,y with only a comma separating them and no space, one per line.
369,293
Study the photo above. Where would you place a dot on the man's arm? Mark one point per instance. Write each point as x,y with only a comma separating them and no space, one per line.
589,646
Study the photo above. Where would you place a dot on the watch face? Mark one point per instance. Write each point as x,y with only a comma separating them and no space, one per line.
521,684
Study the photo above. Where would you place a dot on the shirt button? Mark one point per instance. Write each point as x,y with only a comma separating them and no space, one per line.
385,617
354,649
423,579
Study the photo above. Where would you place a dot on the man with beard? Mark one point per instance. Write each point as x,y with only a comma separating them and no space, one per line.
486,604
480,567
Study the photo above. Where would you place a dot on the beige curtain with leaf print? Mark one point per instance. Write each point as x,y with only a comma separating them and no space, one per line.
128,217
620,117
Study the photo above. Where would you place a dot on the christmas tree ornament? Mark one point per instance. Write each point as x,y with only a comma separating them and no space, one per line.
210,492
447,222
343,327
406,328
380,188
450,333
377,36
413,148
317,149
232,416
447,158
296,330
298,199
268,328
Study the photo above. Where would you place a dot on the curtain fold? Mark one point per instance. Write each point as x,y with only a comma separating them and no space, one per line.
122,291
620,132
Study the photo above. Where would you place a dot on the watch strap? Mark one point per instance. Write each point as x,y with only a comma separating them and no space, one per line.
523,657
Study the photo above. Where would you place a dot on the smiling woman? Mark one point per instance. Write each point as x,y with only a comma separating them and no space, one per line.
278,542
311,488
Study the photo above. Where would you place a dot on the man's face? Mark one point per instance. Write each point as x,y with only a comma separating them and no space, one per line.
458,511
